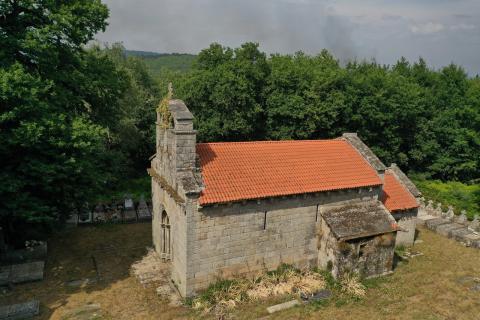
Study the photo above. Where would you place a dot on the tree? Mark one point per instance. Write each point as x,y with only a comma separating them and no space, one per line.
54,107
225,91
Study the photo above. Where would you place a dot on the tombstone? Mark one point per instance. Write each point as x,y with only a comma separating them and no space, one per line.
99,214
85,215
129,213
112,214
72,220
142,210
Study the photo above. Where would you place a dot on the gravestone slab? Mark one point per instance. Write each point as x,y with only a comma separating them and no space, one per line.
129,214
72,220
320,295
432,224
445,229
99,214
18,273
18,311
459,234
468,239
143,211
85,217
475,244
283,306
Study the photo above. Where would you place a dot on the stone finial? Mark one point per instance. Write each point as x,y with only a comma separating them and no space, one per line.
170,90
438,210
450,213
422,201
475,224
430,205
462,218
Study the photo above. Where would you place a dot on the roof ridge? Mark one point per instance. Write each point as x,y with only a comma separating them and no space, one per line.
270,141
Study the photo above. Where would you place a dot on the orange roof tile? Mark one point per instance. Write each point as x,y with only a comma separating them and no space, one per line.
395,195
252,170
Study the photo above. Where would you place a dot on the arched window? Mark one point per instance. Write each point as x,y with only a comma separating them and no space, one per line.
166,251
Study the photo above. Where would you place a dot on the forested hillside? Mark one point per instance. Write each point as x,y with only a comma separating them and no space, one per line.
165,63
77,121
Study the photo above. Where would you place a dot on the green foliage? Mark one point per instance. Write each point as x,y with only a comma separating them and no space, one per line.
423,120
459,195
72,120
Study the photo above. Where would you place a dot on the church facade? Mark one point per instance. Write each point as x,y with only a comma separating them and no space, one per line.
223,210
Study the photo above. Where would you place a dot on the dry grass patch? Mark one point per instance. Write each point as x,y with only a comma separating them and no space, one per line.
225,295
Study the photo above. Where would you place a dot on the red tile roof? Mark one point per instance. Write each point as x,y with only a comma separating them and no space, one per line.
395,195
252,170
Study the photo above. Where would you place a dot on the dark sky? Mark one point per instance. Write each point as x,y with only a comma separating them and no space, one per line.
441,31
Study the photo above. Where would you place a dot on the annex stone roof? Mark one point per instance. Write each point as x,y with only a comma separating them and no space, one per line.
237,171
358,220
396,196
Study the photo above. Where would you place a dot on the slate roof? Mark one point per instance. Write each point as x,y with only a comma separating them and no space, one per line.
237,171
396,196
358,220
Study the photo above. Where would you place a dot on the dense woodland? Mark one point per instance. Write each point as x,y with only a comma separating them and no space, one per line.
77,119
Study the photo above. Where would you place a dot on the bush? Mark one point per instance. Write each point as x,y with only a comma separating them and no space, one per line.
459,195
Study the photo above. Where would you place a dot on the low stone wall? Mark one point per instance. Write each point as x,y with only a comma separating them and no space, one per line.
448,224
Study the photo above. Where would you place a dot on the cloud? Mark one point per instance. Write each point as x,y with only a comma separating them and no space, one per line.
191,25
426,28
463,26
441,31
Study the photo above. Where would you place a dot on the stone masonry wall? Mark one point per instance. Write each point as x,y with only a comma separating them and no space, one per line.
178,239
407,222
230,240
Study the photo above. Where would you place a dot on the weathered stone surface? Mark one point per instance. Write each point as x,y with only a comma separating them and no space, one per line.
19,311
358,219
432,224
85,312
320,295
469,238
445,229
34,253
283,306
19,273
460,234
143,211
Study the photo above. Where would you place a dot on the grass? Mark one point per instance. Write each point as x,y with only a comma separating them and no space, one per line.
436,285
459,195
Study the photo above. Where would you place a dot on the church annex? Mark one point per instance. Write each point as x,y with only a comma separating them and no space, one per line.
222,210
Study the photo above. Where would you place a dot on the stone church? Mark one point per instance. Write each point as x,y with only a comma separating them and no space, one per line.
232,209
